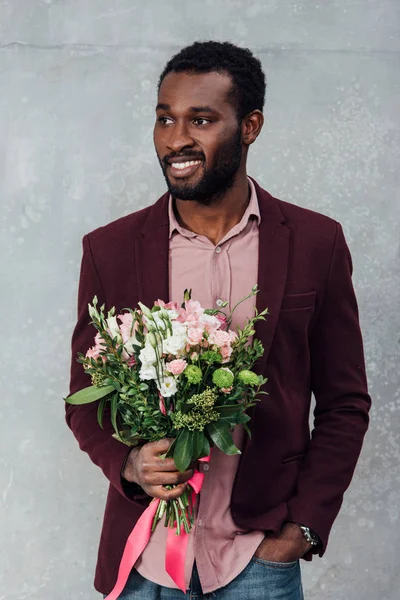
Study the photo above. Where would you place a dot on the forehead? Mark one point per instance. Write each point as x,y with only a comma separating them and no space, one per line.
183,90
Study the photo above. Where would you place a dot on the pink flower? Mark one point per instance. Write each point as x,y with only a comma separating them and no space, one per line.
227,390
191,313
219,338
162,405
94,352
222,319
194,335
126,326
168,305
233,335
132,361
226,352
177,366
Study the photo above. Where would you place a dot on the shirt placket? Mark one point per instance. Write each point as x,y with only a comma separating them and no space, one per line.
221,276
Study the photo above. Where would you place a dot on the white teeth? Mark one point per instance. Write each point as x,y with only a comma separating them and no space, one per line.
186,164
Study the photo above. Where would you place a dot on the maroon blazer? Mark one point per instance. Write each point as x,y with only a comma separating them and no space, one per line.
312,343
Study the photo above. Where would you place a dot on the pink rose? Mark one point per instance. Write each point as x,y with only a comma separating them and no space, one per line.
226,352
194,335
177,366
233,335
219,338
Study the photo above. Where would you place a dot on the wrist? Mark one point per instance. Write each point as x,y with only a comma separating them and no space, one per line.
127,470
309,535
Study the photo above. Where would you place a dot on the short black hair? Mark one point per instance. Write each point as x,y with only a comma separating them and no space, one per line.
249,84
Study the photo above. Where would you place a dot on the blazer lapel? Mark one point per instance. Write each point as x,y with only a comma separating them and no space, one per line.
274,239
151,255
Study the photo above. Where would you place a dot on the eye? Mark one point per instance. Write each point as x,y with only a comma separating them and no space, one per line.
202,119
163,119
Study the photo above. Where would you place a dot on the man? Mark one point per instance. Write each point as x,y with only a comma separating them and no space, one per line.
218,232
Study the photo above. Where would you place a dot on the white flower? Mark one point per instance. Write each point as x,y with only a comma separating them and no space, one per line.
168,387
129,344
113,327
159,321
147,355
173,344
147,372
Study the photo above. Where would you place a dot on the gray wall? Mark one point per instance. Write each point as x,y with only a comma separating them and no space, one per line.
77,95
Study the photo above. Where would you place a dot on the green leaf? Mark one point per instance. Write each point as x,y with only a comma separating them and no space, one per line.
89,394
114,402
183,450
206,447
222,438
198,444
228,409
100,411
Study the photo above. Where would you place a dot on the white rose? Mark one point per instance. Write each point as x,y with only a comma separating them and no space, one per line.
147,372
168,387
147,355
173,344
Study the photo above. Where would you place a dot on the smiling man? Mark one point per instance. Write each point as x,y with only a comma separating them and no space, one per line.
218,232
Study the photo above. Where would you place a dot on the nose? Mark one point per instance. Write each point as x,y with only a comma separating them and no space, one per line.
179,138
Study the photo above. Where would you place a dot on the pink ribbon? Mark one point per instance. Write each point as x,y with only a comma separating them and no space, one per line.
139,537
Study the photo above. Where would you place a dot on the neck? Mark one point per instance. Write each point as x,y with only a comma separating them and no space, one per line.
216,220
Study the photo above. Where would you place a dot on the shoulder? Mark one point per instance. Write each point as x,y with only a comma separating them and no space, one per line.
120,227
120,235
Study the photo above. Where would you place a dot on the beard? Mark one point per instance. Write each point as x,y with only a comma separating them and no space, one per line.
214,182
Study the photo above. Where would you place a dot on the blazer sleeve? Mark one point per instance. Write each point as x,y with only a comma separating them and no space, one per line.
105,451
339,384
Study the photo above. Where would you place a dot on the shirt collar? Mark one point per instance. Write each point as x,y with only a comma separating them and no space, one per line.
251,210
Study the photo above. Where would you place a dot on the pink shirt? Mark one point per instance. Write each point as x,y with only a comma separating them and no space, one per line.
227,271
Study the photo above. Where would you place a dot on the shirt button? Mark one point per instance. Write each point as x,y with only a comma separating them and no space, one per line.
218,249
200,523
206,467
219,302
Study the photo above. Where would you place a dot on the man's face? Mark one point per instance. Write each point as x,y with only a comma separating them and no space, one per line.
195,121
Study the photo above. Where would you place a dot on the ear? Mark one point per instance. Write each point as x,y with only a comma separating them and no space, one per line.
251,126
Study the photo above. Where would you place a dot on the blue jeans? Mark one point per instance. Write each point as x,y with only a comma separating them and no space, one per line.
260,580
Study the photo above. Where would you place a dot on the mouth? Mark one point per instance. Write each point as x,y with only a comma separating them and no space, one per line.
184,169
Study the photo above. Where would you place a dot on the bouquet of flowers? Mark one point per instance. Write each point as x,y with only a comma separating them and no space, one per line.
173,371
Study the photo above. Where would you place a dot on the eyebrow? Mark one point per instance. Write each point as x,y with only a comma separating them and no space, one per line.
194,109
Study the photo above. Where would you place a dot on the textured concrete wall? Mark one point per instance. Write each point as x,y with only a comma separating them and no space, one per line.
77,95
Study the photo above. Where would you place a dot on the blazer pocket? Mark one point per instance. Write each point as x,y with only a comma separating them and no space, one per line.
294,301
294,458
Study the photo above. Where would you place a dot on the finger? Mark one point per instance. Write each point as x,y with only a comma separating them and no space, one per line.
166,478
163,464
163,494
160,447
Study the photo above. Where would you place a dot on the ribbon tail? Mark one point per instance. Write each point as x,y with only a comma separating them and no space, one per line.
135,544
175,557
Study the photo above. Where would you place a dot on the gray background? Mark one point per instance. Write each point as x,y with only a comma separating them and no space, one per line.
77,96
